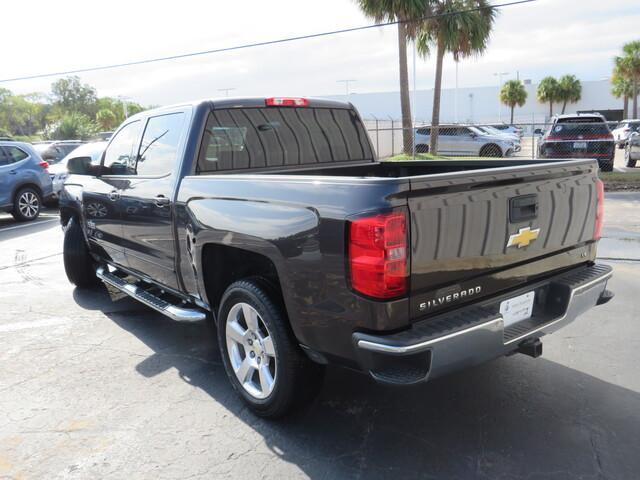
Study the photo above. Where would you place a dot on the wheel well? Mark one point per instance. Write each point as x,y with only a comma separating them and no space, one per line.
35,186
222,265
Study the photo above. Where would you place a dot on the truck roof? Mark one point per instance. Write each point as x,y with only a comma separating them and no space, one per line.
244,102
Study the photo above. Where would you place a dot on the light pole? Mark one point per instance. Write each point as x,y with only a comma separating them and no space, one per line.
455,97
124,101
346,84
226,91
500,75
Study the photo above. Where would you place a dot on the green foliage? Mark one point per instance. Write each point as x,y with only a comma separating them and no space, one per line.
392,10
72,110
627,67
73,126
548,92
569,90
464,34
513,94
70,95
105,119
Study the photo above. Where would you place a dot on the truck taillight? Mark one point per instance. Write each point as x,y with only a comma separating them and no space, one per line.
597,231
378,255
286,102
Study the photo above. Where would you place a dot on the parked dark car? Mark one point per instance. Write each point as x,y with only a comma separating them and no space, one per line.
579,136
632,150
24,180
274,218
53,152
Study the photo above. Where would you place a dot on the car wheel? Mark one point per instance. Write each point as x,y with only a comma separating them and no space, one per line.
422,148
263,361
26,204
491,151
78,263
627,158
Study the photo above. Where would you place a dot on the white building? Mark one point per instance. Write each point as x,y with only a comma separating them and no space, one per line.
481,104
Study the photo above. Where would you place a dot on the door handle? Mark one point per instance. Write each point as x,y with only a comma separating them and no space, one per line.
162,201
13,172
114,195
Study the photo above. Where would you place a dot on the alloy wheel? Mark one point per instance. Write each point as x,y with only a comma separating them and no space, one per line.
29,204
251,351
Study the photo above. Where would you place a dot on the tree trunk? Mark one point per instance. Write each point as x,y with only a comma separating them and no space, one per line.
625,110
635,98
435,117
564,106
550,110
405,105
512,109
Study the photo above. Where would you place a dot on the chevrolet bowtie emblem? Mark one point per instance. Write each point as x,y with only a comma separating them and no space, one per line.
523,238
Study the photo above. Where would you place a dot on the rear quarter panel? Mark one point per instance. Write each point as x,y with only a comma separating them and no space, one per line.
299,224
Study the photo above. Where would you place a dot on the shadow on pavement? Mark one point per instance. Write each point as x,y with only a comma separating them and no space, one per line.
515,417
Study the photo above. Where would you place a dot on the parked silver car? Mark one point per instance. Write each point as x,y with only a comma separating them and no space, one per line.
489,130
632,150
623,131
464,140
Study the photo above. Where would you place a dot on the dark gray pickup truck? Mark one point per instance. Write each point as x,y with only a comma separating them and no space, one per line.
273,218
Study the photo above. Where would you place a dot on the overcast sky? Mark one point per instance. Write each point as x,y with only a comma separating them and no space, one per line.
547,37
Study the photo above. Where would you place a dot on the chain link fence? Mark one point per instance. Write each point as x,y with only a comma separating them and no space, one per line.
561,138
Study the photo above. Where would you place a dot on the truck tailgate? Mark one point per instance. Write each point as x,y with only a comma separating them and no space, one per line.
479,232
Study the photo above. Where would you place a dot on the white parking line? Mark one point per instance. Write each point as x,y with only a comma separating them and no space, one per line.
27,225
47,322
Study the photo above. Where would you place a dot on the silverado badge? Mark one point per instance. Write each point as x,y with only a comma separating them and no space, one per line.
523,238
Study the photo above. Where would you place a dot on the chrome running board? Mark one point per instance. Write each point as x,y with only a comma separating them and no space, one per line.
178,313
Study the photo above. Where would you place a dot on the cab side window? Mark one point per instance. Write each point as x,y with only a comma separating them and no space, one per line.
159,147
120,157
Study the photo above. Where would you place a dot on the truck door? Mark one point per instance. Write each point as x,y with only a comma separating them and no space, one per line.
147,199
101,203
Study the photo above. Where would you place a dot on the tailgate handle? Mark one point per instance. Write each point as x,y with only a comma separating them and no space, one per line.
523,208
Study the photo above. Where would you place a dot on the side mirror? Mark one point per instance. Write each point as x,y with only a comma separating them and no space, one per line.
537,131
80,166
634,134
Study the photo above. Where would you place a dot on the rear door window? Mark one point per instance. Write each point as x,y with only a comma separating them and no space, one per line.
244,138
15,154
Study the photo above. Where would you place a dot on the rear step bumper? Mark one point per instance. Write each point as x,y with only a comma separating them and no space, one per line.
475,334
178,313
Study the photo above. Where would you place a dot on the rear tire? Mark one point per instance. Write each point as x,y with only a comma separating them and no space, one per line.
422,148
606,165
262,351
627,157
491,150
27,204
78,264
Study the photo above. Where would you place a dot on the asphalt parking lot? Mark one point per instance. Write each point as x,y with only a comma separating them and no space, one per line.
94,385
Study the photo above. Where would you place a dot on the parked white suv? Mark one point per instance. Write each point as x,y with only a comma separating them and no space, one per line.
624,129
461,140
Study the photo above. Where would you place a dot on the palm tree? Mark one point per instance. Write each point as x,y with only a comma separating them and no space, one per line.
461,27
548,92
513,93
629,66
406,12
621,87
569,90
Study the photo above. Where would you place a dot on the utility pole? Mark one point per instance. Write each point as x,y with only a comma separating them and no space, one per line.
500,75
226,91
346,84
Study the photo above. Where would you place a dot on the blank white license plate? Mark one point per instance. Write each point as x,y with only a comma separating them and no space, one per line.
580,145
517,309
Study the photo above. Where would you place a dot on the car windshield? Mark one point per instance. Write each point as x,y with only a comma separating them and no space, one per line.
93,150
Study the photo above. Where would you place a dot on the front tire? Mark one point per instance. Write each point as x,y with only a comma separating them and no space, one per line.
78,264
491,151
263,361
27,204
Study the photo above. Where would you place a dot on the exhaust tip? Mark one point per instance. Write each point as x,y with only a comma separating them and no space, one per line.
531,347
